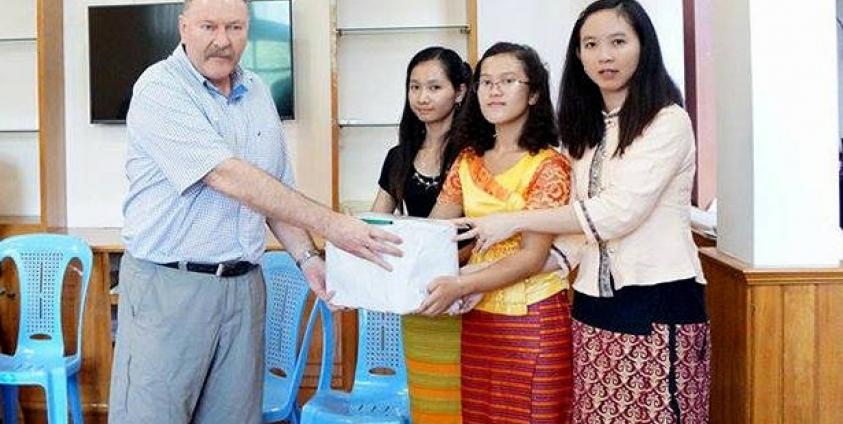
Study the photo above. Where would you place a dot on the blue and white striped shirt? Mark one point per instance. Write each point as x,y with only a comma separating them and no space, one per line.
180,127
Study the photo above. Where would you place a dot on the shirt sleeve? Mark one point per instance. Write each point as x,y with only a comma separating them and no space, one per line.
386,168
287,175
567,250
165,124
451,193
551,184
639,178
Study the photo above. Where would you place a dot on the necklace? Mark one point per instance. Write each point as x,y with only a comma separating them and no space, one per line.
425,182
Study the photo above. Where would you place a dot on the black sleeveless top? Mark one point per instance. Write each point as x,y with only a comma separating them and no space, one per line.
420,191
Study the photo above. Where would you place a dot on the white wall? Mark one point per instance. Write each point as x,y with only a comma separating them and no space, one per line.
543,25
370,81
96,181
777,132
546,26
840,65
802,141
19,185
733,76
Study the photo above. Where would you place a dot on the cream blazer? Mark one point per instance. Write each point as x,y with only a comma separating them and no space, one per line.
641,210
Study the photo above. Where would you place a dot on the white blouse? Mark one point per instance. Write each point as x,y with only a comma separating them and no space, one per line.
636,220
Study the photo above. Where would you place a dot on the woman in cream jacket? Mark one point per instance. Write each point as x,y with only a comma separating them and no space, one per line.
640,328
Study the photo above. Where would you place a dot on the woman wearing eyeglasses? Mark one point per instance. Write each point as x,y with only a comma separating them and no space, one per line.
411,178
516,342
641,333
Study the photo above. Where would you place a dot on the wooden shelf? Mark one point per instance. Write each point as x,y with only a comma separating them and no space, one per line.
354,123
18,131
20,220
14,225
19,40
465,29
48,42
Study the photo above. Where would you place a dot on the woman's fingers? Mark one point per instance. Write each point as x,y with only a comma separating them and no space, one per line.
463,222
468,235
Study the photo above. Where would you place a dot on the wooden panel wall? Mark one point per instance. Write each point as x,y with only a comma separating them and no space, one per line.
727,305
829,320
778,343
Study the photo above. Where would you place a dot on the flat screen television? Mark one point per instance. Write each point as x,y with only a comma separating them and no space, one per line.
124,40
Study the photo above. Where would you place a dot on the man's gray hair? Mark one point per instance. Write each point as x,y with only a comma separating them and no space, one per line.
187,4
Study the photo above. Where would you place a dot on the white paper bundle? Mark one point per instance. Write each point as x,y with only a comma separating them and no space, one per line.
429,252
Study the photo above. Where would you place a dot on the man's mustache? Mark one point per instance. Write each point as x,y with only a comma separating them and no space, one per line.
224,53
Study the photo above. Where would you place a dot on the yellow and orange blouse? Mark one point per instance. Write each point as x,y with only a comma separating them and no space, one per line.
537,181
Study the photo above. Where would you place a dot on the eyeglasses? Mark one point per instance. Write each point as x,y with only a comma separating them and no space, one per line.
503,84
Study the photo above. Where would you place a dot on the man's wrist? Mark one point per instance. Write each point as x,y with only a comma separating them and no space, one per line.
307,255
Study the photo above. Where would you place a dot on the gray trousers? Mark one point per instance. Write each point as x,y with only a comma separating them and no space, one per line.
189,347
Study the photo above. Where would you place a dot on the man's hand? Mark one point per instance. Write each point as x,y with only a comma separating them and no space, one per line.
363,240
314,271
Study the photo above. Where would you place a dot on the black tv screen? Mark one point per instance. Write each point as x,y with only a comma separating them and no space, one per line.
125,40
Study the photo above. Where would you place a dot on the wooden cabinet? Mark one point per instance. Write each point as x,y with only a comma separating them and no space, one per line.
777,342
97,340
32,158
372,43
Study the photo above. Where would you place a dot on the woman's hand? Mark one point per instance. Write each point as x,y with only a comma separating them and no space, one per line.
488,230
469,302
442,293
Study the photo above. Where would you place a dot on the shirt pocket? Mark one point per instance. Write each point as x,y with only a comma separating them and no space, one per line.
267,151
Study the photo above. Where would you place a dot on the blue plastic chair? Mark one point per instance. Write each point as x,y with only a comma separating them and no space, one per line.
41,261
286,294
379,393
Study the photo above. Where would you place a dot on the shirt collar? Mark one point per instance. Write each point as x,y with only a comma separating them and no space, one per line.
612,113
240,82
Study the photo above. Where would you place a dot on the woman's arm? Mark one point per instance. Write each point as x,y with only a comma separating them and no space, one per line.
526,262
492,229
640,177
445,210
384,203
449,202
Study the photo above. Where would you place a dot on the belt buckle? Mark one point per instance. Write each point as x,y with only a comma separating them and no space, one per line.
220,269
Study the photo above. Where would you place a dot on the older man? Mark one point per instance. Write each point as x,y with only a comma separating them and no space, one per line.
208,167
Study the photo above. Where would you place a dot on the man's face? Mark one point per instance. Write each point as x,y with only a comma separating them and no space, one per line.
214,35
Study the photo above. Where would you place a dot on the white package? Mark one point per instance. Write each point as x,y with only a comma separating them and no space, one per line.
429,252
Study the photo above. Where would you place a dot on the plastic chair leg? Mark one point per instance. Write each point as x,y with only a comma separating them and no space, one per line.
75,399
10,404
294,415
56,394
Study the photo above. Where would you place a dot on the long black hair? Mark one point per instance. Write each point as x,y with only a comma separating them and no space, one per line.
581,124
411,130
473,130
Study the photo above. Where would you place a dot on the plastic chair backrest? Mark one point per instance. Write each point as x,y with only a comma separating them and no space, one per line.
286,295
380,351
326,369
41,261
379,348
